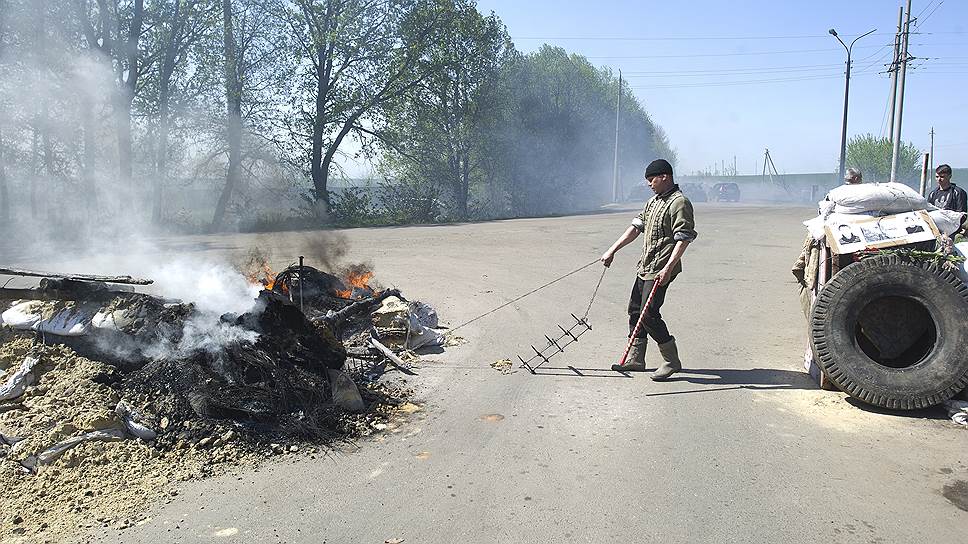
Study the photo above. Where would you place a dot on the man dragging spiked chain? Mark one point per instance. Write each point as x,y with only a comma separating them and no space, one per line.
668,225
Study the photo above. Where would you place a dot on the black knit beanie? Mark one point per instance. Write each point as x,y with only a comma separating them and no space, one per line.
658,166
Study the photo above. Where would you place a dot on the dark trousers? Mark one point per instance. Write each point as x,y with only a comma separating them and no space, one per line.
652,323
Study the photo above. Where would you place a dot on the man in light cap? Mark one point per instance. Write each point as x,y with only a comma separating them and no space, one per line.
669,226
853,176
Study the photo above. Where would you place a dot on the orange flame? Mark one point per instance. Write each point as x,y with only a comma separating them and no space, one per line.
355,279
268,279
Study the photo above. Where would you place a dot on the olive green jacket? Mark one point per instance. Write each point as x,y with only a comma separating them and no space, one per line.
665,220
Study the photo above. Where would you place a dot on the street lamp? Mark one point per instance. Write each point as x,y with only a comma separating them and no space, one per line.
843,133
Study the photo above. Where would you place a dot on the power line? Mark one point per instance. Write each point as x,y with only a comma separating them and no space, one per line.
727,70
734,72
742,82
737,54
677,38
928,16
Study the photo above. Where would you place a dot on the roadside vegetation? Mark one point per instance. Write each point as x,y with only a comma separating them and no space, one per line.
209,115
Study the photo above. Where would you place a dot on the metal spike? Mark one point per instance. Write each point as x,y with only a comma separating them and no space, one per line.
553,343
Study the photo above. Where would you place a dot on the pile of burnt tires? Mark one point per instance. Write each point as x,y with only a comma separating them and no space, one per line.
892,331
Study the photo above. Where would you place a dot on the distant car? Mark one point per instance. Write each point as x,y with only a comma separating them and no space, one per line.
726,192
694,191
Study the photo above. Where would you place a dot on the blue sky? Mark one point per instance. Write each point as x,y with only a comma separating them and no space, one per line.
733,78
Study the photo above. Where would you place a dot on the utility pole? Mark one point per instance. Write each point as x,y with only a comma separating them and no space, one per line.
900,96
894,67
932,149
843,130
618,109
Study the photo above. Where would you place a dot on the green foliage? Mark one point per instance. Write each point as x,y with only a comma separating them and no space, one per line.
558,145
432,91
405,203
873,156
353,207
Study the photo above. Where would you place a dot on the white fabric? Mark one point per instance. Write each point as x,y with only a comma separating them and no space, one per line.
20,380
947,221
957,411
23,315
962,249
71,321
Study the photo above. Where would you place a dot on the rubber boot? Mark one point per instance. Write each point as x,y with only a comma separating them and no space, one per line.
635,362
672,363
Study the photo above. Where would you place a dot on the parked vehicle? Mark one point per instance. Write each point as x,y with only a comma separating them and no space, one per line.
726,192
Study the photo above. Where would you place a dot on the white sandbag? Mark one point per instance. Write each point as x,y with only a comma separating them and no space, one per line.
878,198
425,313
21,379
947,221
962,249
104,319
23,315
421,336
69,321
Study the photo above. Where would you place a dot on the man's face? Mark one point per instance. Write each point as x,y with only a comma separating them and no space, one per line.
851,180
943,179
660,183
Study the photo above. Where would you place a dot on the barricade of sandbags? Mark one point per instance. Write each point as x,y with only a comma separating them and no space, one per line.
876,199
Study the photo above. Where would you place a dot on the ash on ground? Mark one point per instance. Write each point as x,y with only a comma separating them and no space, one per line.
145,393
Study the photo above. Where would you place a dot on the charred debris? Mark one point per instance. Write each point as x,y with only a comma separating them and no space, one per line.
302,364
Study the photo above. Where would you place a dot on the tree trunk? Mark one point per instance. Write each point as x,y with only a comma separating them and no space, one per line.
323,203
34,173
48,148
233,118
164,107
88,126
128,87
319,171
4,194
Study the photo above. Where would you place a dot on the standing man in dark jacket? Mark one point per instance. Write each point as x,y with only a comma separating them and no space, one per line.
669,226
947,195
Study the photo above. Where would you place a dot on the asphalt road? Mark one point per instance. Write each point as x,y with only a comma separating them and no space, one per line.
742,447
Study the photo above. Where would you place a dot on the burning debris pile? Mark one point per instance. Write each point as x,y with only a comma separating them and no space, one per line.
90,373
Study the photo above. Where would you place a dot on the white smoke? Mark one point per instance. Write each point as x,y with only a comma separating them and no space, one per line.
214,288
202,332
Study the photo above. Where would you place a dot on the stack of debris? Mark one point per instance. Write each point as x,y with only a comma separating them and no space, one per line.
92,371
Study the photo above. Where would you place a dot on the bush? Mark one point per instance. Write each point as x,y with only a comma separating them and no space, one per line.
353,207
404,203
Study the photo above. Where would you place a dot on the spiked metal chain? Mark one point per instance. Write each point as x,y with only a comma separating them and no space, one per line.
567,337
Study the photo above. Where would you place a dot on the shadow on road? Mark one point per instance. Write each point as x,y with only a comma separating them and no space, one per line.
934,412
754,378
575,372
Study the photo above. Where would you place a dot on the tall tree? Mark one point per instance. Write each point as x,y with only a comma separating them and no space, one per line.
184,25
360,55
233,114
437,132
872,154
115,31
4,191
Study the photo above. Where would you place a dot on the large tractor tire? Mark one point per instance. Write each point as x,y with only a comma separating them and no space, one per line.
893,332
